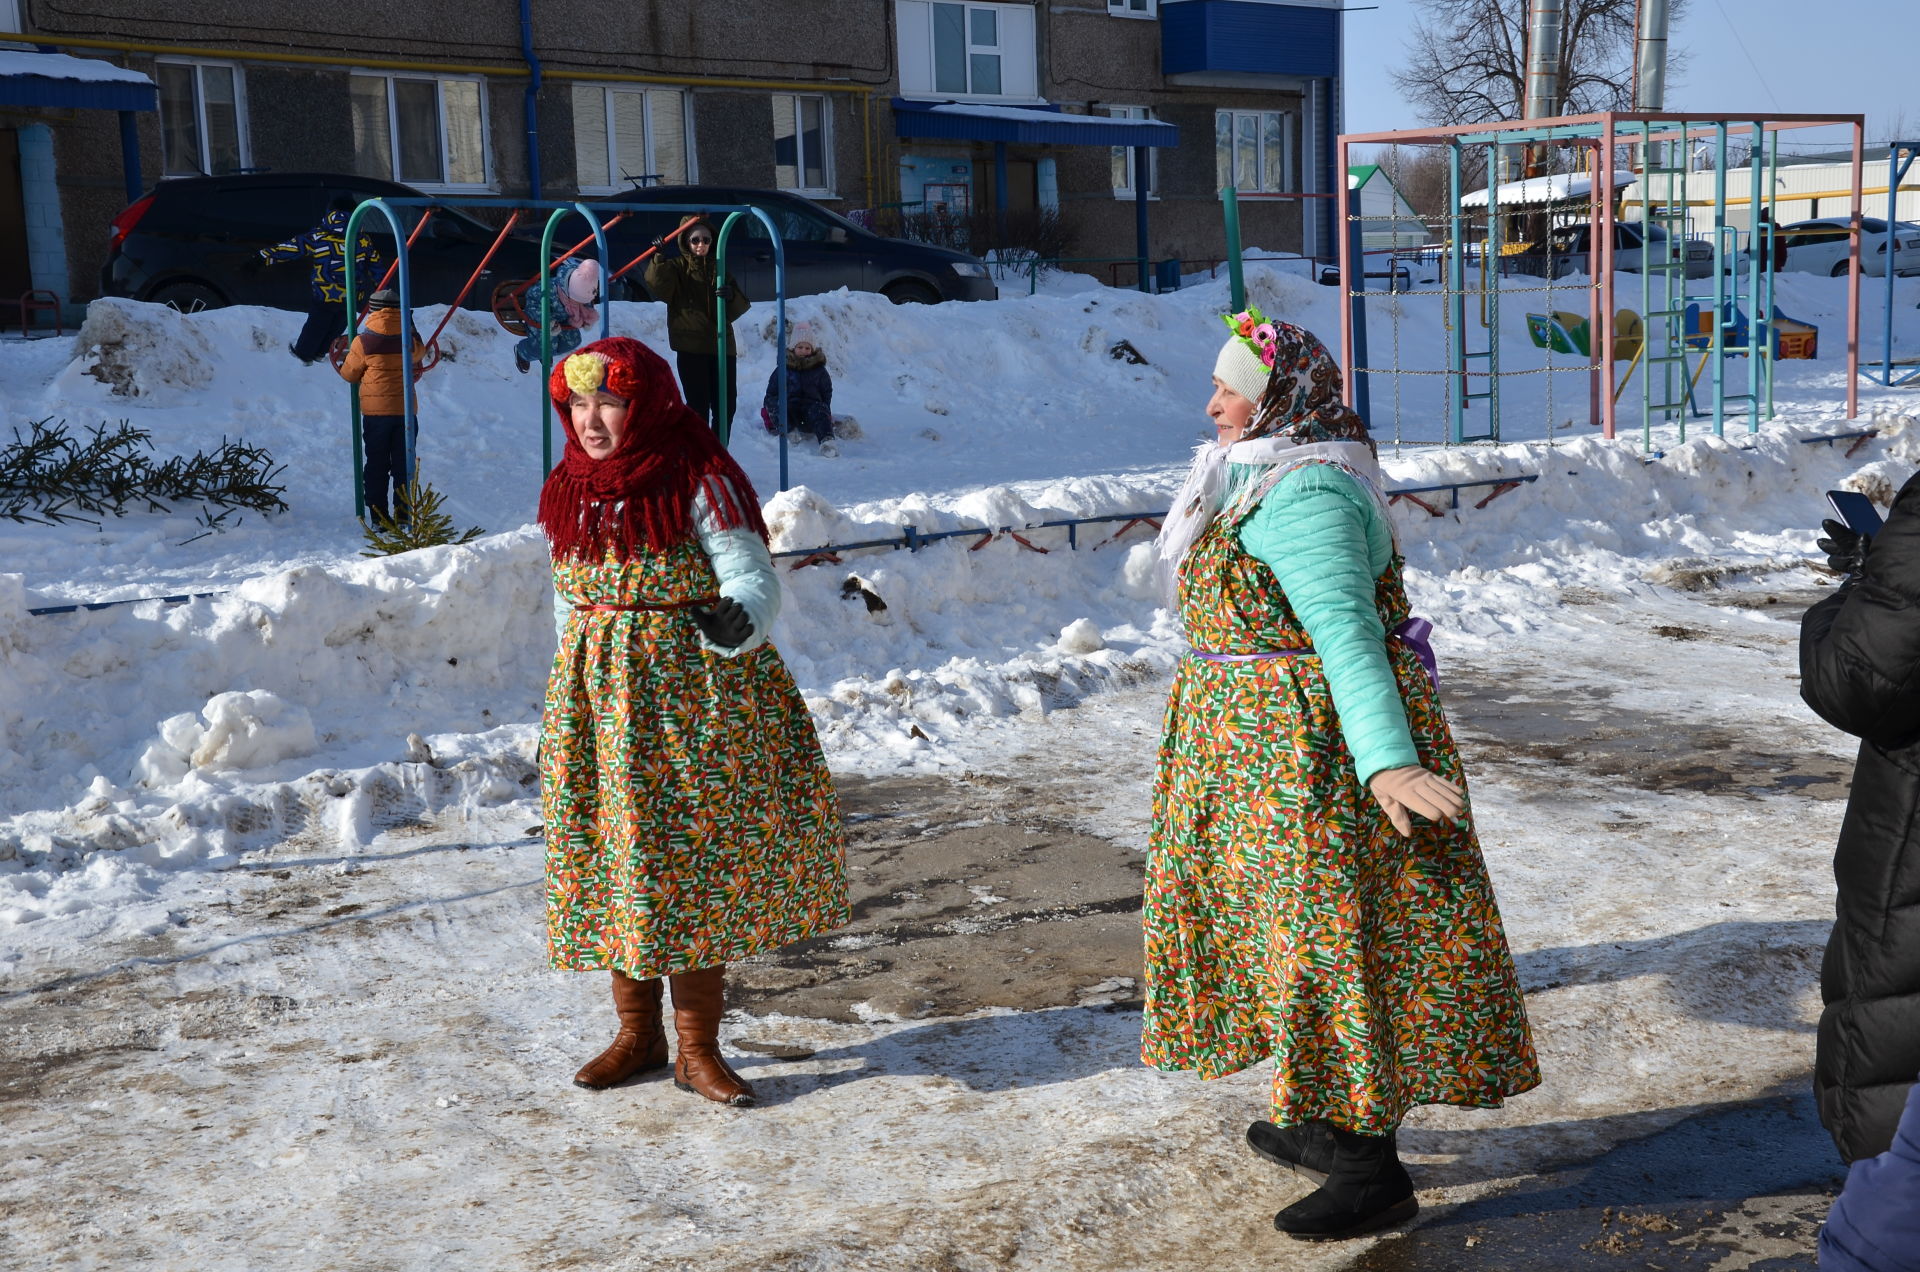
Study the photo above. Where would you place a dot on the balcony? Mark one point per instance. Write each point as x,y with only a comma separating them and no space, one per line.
1249,37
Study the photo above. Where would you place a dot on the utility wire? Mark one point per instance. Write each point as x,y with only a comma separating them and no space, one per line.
1735,31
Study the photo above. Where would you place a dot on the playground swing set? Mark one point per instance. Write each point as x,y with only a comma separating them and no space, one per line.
507,302
1699,352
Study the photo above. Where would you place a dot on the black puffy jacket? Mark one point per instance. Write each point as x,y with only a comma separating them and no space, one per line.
1860,670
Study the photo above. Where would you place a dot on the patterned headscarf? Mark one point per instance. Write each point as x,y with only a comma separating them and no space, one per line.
1299,420
1302,400
642,494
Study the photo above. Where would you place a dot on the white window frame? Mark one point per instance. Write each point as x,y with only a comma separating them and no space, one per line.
799,139
613,148
1141,114
1017,30
487,181
200,114
1148,9
1290,153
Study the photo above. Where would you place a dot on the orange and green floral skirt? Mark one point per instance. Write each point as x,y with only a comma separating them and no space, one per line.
1286,918
690,817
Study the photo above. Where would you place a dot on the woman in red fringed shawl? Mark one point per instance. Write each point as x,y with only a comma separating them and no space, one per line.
690,819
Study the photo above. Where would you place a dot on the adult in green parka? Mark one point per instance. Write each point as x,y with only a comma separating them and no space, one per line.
685,283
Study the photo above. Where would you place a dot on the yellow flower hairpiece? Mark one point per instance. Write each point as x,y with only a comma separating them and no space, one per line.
586,372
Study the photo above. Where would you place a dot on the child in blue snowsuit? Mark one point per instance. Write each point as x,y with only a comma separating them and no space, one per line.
809,387
576,286
324,247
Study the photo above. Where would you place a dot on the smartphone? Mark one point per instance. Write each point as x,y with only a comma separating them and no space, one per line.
1855,511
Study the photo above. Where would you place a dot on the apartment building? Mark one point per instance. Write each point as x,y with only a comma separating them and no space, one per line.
915,113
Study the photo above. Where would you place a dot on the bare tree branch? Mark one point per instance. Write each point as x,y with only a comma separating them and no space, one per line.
1466,59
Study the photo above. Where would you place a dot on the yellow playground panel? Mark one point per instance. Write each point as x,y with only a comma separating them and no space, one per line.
1566,332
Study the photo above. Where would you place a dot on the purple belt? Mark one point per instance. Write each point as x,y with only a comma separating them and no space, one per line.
1415,633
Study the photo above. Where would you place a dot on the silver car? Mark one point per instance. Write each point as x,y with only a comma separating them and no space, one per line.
1569,245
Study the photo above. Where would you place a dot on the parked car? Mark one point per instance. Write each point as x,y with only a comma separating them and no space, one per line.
1820,246
1570,244
824,250
195,242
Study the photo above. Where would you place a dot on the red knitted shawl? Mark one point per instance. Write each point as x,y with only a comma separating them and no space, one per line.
641,496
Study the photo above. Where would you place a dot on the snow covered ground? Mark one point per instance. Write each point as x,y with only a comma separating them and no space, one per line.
293,946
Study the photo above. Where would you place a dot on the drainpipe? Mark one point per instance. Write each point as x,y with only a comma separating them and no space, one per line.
532,98
1543,72
1650,57
1650,70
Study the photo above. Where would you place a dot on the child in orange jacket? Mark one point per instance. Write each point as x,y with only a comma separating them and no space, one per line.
374,363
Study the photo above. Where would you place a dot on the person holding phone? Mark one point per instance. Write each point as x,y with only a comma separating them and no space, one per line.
694,317
1860,672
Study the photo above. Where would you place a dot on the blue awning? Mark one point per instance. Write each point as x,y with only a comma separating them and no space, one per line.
1031,125
85,83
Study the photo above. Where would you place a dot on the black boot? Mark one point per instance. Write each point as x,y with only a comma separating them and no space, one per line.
1366,1190
1306,1148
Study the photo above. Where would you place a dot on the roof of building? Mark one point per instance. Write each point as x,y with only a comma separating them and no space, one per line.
60,80
1559,187
1033,125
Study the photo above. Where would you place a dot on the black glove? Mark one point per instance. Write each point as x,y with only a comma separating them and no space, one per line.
725,623
659,241
1846,548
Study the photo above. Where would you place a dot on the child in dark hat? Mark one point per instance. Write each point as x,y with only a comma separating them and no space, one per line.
324,248
374,363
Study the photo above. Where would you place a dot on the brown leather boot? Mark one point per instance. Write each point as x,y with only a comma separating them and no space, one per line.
699,1000
641,1043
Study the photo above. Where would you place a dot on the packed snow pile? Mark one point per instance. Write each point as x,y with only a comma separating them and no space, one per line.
145,351
240,729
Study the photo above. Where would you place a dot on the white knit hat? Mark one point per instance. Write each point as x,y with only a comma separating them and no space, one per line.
1240,369
803,332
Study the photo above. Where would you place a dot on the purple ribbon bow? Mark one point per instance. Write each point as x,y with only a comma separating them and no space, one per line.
1415,633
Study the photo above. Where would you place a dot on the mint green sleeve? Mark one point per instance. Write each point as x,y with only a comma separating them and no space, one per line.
744,567
1312,531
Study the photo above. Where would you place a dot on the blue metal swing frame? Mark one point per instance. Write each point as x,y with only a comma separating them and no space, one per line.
557,212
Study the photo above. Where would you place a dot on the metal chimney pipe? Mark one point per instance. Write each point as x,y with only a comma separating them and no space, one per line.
1544,32
1650,57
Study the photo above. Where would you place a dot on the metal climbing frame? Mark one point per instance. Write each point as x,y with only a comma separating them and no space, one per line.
1893,369
557,212
1727,331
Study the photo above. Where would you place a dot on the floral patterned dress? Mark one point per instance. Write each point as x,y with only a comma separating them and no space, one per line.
1284,915
690,818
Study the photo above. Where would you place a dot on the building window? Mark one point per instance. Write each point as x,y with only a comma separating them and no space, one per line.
802,144
624,137
967,50
423,131
1123,156
202,119
1257,151
1133,8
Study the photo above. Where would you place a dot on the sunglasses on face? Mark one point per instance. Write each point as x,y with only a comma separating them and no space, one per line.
701,241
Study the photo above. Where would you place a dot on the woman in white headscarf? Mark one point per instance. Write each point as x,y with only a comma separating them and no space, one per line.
1315,892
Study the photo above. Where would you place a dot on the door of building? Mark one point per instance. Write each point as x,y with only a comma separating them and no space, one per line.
16,273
